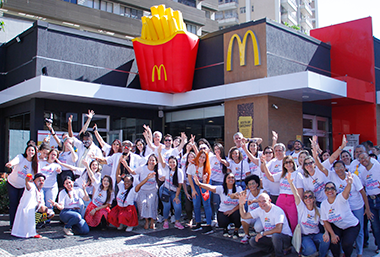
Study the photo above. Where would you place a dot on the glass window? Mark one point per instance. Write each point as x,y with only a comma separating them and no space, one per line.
103,6
110,7
242,9
307,124
208,14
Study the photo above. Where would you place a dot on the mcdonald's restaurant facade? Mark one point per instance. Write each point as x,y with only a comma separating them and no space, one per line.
254,77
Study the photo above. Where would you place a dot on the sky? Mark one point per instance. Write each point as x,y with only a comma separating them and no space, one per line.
338,11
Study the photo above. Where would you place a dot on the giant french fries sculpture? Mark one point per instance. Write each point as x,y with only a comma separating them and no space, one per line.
166,52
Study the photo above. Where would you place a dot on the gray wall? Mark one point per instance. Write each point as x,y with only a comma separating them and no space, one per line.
289,51
376,43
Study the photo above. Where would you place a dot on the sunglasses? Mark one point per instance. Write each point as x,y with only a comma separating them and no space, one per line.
308,163
308,197
330,189
287,162
168,140
268,152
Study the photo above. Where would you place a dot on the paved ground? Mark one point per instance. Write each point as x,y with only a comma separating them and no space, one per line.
139,243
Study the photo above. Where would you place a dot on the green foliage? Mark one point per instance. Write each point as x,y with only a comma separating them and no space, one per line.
4,199
293,26
1,22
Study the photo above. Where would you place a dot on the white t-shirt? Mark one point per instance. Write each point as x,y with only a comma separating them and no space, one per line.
339,213
240,170
307,220
255,169
66,157
82,172
226,203
274,166
75,201
100,196
168,174
50,170
243,153
166,153
284,184
92,150
19,172
270,219
295,157
355,199
142,172
371,179
316,183
357,168
251,197
329,166
194,170
121,195
216,169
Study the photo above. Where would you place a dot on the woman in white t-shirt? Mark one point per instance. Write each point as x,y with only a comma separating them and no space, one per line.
338,219
286,198
187,189
173,177
97,211
23,164
229,208
124,213
301,157
309,219
314,179
70,203
254,162
238,166
50,168
67,156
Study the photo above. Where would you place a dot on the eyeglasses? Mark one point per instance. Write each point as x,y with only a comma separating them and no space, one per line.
167,140
268,152
86,141
139,145
308,163
330,189
308,197
287,162
252,183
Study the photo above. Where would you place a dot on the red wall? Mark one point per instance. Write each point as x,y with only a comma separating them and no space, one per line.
352,57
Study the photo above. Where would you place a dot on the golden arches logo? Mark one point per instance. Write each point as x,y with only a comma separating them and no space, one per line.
242,46
158,69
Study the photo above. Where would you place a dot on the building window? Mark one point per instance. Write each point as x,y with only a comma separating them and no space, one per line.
71,1
253,8
208,14
191,3
100,5
131,12
191,28
242,9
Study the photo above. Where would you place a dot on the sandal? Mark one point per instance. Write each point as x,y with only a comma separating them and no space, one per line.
146,226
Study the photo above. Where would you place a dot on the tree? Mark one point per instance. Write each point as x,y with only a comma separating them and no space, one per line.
1,22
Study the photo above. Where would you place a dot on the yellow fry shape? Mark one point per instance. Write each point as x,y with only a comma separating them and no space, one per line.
173,26
158,27
161,10
169,13
178,17
165,26
154,10
151,29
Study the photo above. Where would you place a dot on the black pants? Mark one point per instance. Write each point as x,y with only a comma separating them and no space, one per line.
189,205
347,238
224,220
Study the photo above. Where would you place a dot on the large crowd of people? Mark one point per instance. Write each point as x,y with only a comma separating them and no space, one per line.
270,193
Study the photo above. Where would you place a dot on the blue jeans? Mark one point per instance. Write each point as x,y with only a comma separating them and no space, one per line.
311,242
50,193
240,183
14,199
276,243
197,206
73,219
374,206
215,200
177,206
359,214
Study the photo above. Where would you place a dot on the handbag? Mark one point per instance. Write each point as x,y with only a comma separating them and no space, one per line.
165,196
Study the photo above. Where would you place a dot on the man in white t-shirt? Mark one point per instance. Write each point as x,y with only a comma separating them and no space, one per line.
238,136
277,235
298,147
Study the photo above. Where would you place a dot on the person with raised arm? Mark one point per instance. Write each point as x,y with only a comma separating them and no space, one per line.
173,177
338,219
238,166
70,203
286,198
277,235
229,208
22,165
309,218
67,156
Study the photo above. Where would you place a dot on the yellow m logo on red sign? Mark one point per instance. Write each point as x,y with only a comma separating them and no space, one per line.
158,69
242,47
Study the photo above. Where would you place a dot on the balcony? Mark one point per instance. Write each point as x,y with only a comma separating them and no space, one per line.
306,9
226,5
306,23
228,22
290,5
290,18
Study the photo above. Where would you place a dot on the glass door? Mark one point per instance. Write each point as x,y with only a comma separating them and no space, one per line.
316,125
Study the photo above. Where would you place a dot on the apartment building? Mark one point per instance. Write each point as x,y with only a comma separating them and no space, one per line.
302,13
121,18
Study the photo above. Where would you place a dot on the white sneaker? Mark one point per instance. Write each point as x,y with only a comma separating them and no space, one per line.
245,239
128,229
172,219
160,218
120,227
214,223
68,231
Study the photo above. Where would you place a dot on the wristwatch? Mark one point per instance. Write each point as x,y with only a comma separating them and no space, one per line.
262,233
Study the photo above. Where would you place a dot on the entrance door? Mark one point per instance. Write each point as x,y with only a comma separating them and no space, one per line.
115,134
316,125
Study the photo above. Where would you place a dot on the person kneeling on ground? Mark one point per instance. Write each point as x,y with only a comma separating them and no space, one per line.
277,234
31,209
